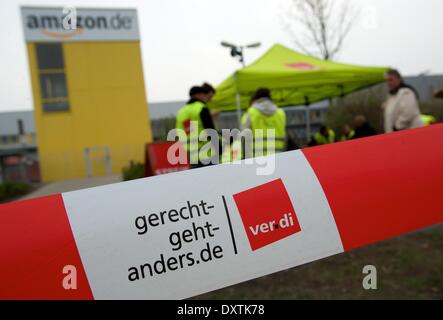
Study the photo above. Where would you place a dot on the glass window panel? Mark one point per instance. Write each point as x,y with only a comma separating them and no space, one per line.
50,56
53,85
55,106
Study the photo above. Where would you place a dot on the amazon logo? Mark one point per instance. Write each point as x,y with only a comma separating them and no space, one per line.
52,25
64,35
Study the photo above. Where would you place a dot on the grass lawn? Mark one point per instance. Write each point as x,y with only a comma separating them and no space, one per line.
408,267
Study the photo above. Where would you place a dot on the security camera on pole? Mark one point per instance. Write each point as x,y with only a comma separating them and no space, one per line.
238,52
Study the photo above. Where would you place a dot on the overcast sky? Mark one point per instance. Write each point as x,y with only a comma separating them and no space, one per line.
181,40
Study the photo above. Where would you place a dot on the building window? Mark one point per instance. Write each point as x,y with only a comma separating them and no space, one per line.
51,69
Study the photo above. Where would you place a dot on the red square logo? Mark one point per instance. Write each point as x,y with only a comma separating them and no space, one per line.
267,214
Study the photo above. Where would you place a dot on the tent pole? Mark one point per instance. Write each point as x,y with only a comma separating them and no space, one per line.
308,119
238,101
238,98
308,124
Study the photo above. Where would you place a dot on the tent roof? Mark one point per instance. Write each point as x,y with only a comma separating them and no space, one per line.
294,79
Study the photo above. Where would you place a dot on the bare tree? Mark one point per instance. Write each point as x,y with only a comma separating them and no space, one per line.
319,27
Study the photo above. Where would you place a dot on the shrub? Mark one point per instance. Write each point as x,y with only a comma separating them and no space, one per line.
135,170
367,103
9,190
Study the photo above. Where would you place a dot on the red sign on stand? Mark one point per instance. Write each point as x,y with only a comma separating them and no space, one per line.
156,159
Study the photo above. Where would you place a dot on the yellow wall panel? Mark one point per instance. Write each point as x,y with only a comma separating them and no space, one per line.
108,108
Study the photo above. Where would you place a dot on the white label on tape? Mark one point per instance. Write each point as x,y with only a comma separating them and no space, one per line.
187,233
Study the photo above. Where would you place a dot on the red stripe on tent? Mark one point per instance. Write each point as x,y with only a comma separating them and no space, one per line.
36,243
383,186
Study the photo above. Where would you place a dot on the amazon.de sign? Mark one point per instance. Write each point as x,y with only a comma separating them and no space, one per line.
46,24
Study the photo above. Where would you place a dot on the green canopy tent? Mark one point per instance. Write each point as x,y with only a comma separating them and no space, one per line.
294,79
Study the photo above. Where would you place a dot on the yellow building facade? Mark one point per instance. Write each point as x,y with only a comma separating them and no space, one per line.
90,105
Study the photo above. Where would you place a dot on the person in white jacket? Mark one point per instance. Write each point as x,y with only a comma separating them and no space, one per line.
401,109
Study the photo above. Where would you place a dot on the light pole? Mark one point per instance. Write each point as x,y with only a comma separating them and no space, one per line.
238,52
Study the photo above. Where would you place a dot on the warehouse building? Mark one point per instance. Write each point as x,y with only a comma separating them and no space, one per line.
88,89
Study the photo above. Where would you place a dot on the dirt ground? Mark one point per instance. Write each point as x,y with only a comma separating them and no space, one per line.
408,267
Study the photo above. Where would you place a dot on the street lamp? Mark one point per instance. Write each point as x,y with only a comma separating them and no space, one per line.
237,51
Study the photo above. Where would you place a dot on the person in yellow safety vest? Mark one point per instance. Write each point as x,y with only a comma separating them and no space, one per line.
324,136
196,112
428,119
262,115
348,133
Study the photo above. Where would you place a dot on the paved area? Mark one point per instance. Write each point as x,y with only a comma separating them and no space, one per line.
71,185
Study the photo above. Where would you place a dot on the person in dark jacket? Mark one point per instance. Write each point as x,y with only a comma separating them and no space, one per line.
204,94
196,110
362,128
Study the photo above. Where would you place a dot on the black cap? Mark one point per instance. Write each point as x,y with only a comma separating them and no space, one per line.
208,88
196,90
261,93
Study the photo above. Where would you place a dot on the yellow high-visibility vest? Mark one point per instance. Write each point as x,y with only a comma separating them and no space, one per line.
187,115
264,144
321,139
428,119
348,136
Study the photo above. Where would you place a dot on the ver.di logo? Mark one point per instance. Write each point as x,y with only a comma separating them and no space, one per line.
267,214
302,66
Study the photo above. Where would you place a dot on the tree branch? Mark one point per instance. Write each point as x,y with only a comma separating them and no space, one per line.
320,25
